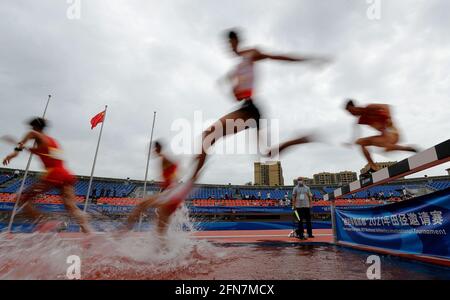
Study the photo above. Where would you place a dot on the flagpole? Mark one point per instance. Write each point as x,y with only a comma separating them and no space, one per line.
146,169
22,185
95,161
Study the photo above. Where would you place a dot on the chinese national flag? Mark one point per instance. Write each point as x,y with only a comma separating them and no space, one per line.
97,119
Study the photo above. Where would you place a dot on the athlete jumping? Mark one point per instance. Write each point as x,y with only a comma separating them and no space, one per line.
170,198
56,176
242,80
377,116
168,167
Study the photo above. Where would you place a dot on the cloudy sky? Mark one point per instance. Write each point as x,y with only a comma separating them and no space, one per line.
140,56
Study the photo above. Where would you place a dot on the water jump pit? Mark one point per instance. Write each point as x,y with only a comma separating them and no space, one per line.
212,255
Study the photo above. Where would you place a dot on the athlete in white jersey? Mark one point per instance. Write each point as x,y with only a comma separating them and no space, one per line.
242,79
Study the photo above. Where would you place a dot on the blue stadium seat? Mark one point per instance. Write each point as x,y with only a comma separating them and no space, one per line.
4,178
13,188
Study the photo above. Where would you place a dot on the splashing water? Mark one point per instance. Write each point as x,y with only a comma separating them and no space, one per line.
132,256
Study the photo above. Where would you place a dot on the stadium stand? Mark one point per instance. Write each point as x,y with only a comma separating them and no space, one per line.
118,201
4,179
99,188
329,189
7,197
124,192
16,185
274,193
212,192
386,190
439,185
102,189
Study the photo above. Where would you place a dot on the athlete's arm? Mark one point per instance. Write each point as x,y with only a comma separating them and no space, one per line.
10,157
257,55
13,155
32,135
261,56
37,137
20,147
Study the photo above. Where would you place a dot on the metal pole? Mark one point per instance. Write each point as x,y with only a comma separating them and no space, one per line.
95,161
146,170
333,220
22,185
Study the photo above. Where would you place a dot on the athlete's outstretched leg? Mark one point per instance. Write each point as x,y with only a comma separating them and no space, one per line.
68,197
28,196
388,141
370,161
390,148
219,130
140,208
370,141
286,145
163,220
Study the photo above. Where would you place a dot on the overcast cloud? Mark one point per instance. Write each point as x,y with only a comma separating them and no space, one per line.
140,56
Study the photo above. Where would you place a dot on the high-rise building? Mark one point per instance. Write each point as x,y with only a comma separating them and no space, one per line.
346,177
341,178
270,174
324,178
380,165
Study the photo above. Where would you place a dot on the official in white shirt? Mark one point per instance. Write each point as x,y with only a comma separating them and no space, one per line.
302,203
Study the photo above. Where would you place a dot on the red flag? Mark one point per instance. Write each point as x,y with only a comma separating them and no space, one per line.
97,119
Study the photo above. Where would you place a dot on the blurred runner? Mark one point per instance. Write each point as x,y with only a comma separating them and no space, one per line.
166,203
168,167
56,176
377,116
242,80
170,198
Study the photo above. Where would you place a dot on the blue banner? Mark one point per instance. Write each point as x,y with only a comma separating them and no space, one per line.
419,226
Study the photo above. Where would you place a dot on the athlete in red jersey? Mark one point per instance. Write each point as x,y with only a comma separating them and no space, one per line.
56,176
169,200
377,116
242,80
168,167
